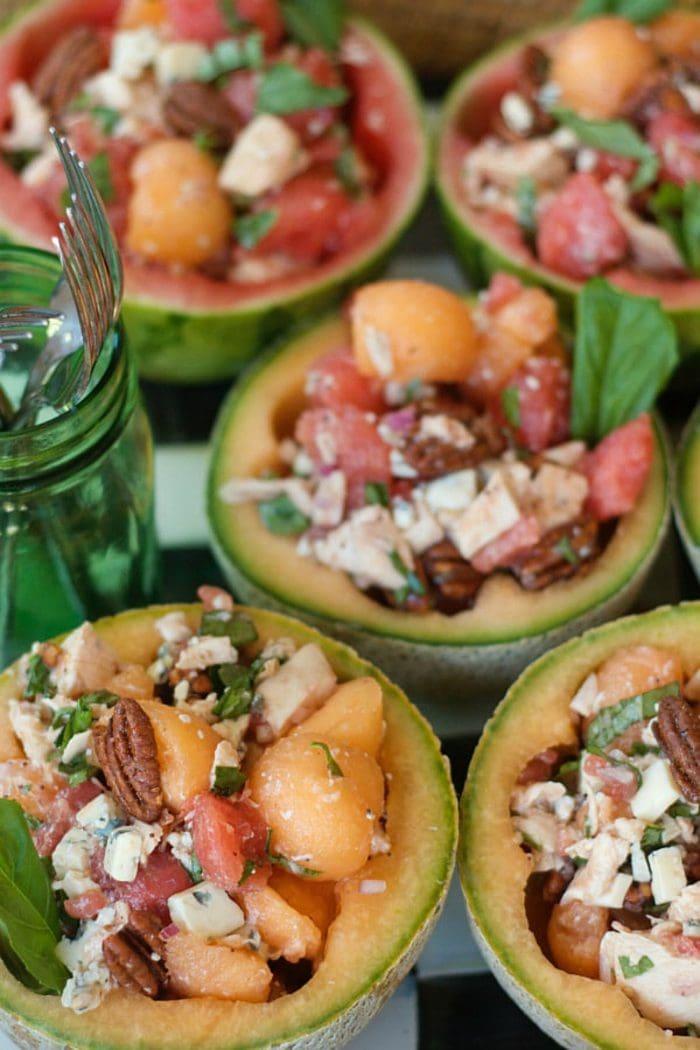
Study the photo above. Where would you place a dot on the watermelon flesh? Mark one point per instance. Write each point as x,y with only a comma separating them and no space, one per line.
190,326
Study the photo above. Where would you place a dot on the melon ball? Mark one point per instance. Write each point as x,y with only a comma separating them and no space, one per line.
177,213
598,64
320,818
404,330
677,34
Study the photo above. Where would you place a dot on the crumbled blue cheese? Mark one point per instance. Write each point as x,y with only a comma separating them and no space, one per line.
34,734
107,88
363,545
182,848
205,910
556,495
85,664
420,528
225,754
299,687
517,113
128,847
587,698
91,979
658,791
599,882
78,744
265,154
685,909
665,989
453,491
667,874
491,513
179,60
205,651
99,815
133,51
173,627
233,729
30,120
242,490
329,500
73,852
446,429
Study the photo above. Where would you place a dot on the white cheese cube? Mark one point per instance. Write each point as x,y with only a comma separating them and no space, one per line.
133,50
205,910
299,687
35,735
30,120
266,154
556,495
667,874
363,546
109,89
86,664
173,627
614,895
123,854
206,651
492,512
657,793
446,429
640,866
452,491
98,814
587,698
566,455
179,60
74,883
72,853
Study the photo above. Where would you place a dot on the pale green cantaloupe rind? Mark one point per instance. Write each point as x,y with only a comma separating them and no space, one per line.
199,345
477,652
480,253
372,944
534,714
687,490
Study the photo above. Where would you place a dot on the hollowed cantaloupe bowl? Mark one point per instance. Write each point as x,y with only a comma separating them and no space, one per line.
373,939
576,1011
687,490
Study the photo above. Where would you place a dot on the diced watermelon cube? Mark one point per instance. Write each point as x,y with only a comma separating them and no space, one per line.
676,139
537,412
514,541
334,381
345,439
579,234
618,467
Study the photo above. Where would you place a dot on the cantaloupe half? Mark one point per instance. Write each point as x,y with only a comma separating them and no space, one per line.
373,941
453,660
687,489
576,1011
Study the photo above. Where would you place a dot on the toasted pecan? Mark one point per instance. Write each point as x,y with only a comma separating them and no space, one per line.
561,553
194,108
126,750
76,56
677,728
453,581
133,956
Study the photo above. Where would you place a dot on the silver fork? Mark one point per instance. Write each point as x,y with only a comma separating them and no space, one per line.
20,322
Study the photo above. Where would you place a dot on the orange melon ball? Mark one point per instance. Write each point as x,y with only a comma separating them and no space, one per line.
598,64
637,669
326,818
677,33
136,13
404,330
177,214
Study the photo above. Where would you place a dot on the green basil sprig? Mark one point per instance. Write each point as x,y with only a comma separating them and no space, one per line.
38,678
235,626
613,136
29,919
626,349
251,228
633,10
613,720
677,210
286,89
313,23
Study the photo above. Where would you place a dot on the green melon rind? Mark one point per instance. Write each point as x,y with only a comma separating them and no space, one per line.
479,256
179,346
331,1025
438,666
587,1026
687,490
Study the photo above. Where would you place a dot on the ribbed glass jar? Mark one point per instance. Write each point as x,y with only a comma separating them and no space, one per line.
77,536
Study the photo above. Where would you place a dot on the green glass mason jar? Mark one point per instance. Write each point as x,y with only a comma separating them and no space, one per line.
77,537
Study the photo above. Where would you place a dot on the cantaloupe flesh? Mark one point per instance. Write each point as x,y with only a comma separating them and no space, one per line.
264,408
371,930
353,715
493,867
689,480
185,744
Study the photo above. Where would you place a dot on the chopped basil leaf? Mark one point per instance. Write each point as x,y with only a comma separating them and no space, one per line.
526,203
286,863
630,969
203,140
632,10
347,171
638,748
29,918
677,210
227,780
238,627
195,869
228,55
281,516
249,229
232,19
77,770
510,403
653,836
377,492
571,766
249,868
237,698
32,821
413,584
681,809
333,767
613,136
106,117
38,678
285,89
566,551
616,762
579,862
626,348
314,24
79,718
613,720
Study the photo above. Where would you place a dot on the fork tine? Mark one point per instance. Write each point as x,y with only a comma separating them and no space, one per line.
95,261
96,279
82,275
73,277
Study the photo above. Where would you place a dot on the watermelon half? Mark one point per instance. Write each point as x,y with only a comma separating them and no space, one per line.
484,242
191,328
687,490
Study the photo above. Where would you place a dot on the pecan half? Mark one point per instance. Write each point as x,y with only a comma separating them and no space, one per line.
454,582
126,750
561,553
192,108
133,956
677,728
75,57
545,764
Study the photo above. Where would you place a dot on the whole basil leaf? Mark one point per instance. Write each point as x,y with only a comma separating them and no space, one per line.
29,920
286,89
626,348
633,10
613,136
249,229
315,24
677,210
